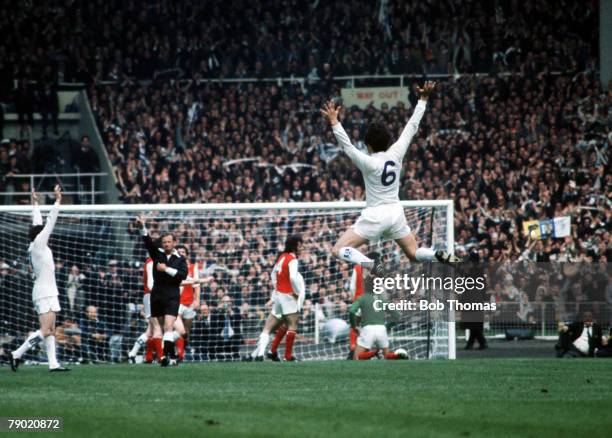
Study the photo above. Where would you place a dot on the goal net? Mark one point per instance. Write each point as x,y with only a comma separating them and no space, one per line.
99,258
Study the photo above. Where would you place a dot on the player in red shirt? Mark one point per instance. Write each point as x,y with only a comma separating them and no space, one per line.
152,336
190,301
356,289
288,293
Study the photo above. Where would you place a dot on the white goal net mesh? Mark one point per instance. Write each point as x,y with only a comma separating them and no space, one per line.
99,259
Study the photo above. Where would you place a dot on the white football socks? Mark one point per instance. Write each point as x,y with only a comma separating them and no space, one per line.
262,343
353,255
425,255
30,342
50,345
140,342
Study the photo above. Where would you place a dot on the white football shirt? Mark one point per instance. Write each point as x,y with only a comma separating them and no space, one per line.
41,256
382,170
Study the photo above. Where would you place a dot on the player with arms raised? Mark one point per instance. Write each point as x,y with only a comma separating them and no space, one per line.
169,270
44,292
383,216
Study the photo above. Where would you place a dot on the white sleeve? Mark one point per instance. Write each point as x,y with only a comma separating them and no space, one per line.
362,161
149,268
399,148
353,286
43,236
170,271
294,275
36,216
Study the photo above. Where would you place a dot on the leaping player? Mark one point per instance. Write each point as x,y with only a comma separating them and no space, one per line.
287,297
44,292
383,216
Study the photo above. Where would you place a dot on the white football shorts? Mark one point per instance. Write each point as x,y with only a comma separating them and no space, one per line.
186,312
373,336
383,222
146,304
283,304
47,304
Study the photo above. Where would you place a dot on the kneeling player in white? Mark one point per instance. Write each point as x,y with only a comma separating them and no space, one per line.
373,332
44,292
286,303
383,216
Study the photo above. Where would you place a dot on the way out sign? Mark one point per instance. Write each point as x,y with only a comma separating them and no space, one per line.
362,97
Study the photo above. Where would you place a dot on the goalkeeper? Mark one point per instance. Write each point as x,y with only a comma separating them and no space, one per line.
373,332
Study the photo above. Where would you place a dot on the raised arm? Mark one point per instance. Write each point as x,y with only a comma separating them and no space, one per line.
43,236
399,148
36,216
151,248
362,161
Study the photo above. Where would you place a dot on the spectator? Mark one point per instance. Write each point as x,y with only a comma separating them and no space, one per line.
201,335
85,158
49,107
95,336
75,294
580,338
24,105
226,330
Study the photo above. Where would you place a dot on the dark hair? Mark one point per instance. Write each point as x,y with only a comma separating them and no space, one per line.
292,243
183,247
165,235
34,231
377,137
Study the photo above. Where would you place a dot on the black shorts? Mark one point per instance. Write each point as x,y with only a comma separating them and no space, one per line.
161,306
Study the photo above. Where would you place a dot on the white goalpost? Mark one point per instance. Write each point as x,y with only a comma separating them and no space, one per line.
99,269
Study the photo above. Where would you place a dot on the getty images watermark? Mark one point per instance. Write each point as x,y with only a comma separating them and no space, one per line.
400,285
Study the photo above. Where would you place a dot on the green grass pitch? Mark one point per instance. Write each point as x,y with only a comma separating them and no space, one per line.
464,398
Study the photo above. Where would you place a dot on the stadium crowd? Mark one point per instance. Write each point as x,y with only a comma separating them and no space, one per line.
115,40
506,149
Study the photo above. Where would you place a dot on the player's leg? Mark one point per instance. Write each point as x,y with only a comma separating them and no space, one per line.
32,340
178,333
278,338
292,322
365,342
158,332
187,322
264,337
47,328
409,246
143,339
168,322
346,249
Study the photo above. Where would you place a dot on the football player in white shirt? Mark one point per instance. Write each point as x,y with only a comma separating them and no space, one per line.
44,292
383,216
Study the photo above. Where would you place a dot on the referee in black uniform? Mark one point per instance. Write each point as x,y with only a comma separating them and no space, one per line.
169,270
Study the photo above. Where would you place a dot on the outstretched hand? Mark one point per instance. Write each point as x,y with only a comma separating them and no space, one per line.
426,90
331,111
58,193
140,221
34,197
